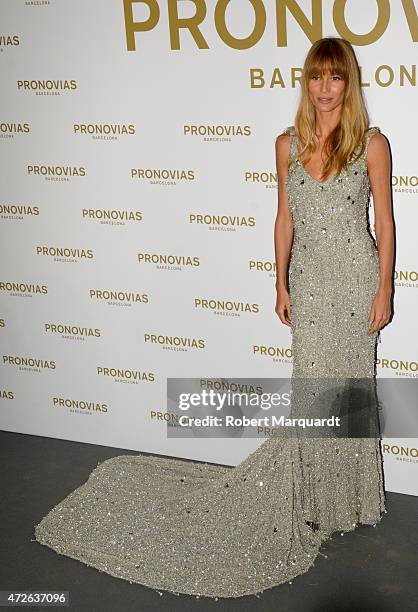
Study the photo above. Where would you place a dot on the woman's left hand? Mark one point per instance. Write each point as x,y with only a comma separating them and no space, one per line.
380,311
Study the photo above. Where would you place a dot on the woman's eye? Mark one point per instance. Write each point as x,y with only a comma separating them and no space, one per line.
334,77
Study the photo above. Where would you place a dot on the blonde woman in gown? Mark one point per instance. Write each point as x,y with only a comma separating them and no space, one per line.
216,531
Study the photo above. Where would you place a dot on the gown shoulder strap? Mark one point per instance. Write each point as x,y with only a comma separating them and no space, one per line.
292,133
290,130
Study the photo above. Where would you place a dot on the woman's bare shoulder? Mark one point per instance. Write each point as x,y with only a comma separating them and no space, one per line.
283,142
378,147
285,135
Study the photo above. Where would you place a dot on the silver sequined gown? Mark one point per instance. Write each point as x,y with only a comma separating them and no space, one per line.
216,531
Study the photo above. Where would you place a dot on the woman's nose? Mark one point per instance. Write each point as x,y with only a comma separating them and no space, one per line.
325,85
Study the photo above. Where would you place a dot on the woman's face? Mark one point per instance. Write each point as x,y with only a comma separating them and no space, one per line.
327,91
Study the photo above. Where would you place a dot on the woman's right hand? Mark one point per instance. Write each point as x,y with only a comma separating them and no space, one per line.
283,309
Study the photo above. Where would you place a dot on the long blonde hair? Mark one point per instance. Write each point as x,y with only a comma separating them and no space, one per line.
336,55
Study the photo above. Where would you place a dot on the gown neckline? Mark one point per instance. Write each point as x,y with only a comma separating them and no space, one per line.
331,178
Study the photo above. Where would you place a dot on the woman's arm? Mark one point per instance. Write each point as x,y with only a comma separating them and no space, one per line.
283,231
379,169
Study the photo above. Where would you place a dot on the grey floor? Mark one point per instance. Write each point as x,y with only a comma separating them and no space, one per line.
367,570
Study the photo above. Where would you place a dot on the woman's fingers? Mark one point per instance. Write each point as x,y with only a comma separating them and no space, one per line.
288,313
283,311
379,316
378,323
371,315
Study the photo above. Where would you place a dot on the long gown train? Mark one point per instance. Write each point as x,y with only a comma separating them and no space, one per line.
215,531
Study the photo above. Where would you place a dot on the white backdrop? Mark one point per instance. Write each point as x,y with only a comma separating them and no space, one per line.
138,190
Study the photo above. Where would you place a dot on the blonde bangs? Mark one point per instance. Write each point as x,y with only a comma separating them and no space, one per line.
324,59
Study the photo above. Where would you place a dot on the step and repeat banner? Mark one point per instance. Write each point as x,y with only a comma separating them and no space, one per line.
138,200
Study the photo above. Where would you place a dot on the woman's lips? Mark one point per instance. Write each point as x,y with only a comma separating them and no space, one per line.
325,100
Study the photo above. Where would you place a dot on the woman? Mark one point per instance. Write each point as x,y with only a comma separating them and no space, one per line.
339,293
216,531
